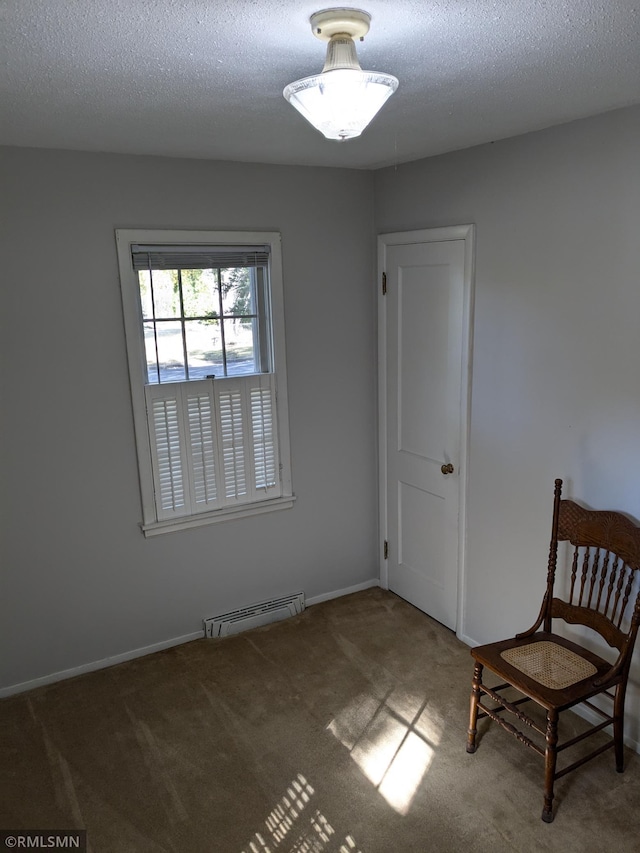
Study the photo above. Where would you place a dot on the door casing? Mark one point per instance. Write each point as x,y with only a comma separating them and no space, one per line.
430,235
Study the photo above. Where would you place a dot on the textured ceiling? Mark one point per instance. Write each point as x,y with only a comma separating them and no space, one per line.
190,78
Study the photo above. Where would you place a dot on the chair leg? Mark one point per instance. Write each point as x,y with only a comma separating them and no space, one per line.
618,727
550,756
473,715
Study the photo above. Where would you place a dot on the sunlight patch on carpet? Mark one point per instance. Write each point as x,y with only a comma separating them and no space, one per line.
295,825
392,742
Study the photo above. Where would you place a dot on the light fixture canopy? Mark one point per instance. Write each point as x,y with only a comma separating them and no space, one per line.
341,100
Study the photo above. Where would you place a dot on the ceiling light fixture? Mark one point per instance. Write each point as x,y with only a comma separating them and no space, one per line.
341,101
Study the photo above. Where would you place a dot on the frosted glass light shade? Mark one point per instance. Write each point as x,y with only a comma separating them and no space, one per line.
341,103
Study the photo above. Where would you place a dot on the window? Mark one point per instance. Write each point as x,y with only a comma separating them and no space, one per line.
205,339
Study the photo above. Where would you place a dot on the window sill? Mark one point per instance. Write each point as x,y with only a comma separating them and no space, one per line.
228,514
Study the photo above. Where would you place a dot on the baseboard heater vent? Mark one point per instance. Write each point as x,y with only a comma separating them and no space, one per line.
263,613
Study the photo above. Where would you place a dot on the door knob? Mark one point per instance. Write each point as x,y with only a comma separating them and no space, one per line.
447,468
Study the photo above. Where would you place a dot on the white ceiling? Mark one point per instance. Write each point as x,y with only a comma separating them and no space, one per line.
204,78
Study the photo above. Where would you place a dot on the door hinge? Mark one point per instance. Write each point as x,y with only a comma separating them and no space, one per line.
384,284
386,550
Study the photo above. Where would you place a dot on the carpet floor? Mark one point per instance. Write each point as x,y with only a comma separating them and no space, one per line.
341,730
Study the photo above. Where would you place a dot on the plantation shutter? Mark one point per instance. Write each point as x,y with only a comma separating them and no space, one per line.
168,450
213,443
248,437
265,448
201,446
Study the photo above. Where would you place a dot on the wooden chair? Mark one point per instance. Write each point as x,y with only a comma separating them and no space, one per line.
554,672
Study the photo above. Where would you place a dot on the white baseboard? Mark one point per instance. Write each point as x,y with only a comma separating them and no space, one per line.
338,593
148,650
94,665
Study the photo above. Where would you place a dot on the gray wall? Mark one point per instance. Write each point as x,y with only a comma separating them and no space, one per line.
79,580
556,384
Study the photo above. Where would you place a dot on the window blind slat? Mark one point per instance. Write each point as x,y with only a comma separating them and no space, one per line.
198,257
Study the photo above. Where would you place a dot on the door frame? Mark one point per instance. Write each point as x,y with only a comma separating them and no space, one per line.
400,238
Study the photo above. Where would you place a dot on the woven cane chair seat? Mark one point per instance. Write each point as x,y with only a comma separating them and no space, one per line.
549,664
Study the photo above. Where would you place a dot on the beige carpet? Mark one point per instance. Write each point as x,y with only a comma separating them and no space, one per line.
339,731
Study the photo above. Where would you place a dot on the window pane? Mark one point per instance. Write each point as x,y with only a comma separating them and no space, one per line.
237,296
239,346
204,348
145,294
166,296
150,348
170,352
200,293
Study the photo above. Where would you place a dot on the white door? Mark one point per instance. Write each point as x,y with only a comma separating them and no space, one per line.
425,357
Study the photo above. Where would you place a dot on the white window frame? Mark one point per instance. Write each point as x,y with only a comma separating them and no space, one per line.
125,239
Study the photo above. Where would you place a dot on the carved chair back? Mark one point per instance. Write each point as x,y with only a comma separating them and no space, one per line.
605,568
